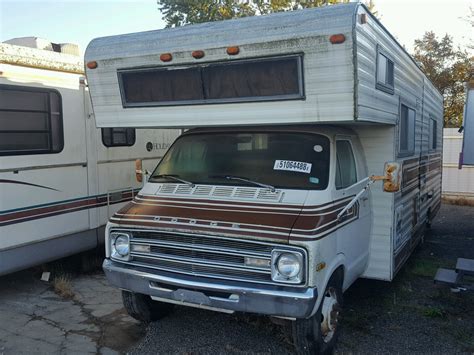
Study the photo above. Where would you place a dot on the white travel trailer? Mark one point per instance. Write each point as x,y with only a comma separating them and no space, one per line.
61,178
264,205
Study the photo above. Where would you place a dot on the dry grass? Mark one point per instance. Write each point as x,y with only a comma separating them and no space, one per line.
63,287
458,200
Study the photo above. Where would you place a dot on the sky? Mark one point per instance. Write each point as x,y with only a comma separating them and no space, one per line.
80,21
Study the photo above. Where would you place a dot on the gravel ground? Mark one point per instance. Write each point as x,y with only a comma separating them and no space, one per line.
408,315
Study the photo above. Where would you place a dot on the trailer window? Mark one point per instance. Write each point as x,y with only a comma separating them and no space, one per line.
407,131
346,172
235,81
385,73
118,137
433,133
30,121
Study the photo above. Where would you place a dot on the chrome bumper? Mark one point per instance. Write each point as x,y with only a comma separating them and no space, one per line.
279,301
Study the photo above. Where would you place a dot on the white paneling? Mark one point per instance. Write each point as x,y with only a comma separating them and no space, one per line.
378,146
455,181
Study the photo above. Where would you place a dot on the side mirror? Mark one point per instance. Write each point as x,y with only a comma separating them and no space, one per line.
392,173
138,170
391,177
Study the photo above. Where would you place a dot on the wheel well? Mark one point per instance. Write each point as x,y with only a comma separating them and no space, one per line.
338,275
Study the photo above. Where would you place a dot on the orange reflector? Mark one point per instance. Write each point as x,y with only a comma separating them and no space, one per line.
233,50
166,57
92,65
198,54
339,38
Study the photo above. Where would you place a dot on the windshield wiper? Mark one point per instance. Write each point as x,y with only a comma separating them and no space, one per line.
238,178
172,177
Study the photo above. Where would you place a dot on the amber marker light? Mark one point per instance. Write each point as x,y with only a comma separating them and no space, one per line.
166,57
92,65
233,50
198,54
336,39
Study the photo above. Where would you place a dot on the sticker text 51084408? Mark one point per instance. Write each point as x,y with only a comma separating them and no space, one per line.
290,165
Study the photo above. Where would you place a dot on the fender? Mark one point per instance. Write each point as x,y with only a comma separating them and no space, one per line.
337,262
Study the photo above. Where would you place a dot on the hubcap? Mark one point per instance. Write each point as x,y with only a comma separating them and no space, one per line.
329,314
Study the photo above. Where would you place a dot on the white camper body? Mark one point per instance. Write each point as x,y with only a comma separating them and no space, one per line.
56,196
333,76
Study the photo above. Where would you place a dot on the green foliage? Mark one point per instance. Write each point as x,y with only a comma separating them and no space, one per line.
183,12
448,68
433,312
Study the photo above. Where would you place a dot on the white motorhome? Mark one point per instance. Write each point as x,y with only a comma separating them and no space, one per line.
265,205
61,178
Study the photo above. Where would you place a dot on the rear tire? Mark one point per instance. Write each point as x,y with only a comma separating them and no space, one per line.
318,334
143,308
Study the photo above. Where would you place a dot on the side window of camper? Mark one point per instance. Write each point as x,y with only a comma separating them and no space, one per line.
118,137
384,73
279,78
433,133
346,172
31,121
407,131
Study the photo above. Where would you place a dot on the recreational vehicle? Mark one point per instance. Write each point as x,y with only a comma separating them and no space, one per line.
61,178
312,158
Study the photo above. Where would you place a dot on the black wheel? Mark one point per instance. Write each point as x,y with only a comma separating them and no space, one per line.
318,334
143,308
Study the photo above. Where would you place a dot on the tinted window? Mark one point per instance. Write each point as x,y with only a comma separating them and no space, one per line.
346,172
293,160
385,73
30,121
118,137
407,131
249,80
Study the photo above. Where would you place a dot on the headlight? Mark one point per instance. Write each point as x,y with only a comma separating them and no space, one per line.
120,246
287,266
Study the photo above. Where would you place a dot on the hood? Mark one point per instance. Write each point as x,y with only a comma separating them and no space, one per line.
270,222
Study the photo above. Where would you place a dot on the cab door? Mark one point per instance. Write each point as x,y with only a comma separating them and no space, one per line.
354,227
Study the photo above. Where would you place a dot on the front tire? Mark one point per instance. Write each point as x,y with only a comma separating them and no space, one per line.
318,334
143,308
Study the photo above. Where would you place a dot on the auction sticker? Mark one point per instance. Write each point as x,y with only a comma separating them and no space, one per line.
290,165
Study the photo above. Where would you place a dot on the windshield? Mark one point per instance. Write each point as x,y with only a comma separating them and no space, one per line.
279,159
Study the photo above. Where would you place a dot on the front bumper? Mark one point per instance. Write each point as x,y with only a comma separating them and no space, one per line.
291,302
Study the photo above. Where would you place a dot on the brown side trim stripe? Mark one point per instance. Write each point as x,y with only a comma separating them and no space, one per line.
59,207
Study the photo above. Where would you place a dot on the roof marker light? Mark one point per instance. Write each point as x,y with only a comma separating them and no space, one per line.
166,57
198,54
336,39
233,50
92,64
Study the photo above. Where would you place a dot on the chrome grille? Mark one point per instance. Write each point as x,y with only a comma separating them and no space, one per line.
203,256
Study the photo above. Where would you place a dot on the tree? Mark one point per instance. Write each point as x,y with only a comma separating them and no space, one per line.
448,68
183,12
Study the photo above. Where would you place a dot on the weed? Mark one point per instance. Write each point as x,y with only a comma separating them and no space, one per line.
434,312
62,286
458,200
426,267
